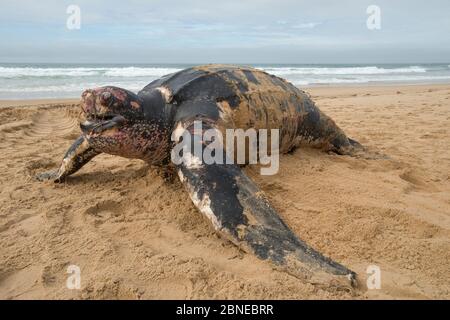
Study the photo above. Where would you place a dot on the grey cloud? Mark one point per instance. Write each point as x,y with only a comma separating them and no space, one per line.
260,30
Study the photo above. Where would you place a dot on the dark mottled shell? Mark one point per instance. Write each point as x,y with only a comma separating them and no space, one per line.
236,97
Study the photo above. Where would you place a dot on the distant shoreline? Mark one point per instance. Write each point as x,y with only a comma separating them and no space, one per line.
34,102
5,103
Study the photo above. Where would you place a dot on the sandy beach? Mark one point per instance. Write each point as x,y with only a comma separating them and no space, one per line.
136,236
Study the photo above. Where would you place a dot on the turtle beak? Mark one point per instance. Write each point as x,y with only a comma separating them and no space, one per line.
98,126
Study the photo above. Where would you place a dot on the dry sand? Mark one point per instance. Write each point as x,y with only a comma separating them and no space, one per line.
136,236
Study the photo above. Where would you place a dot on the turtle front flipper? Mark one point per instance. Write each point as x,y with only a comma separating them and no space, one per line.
240,212
77,156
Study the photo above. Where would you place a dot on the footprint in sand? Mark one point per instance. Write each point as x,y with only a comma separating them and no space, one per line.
416,181
19,284
14,222
107,210
165,289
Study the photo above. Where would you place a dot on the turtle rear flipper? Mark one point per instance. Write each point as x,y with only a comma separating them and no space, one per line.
239,211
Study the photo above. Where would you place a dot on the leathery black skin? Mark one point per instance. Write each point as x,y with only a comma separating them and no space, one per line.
222,97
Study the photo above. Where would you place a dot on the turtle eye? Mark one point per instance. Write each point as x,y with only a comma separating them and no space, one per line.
105,97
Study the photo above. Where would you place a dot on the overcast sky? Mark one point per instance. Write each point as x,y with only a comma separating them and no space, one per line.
204,31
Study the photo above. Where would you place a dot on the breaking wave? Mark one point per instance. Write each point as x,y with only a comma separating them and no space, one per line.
22,81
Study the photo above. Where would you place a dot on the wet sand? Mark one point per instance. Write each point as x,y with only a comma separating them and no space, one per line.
133,235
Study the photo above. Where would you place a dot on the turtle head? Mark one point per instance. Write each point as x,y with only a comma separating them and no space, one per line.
108,108
116,124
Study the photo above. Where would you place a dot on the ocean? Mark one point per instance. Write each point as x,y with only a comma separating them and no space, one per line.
34,81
